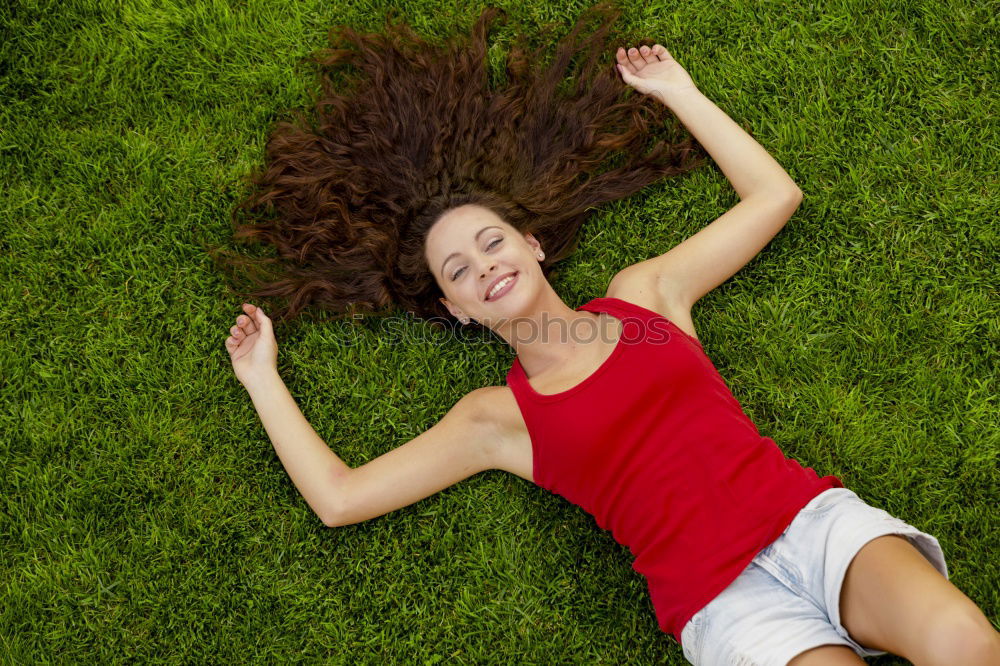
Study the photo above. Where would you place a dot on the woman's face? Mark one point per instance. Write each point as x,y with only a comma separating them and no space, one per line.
469,250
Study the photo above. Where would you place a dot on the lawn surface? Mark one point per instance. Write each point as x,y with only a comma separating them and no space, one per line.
143,512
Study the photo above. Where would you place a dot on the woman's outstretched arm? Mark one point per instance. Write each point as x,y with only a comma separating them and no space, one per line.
749,168
768,195
456,447
461,444
314,468
745,163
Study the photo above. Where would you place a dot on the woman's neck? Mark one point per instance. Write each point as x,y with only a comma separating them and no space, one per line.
550,334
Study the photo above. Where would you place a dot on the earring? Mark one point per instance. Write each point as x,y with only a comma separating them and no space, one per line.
541,255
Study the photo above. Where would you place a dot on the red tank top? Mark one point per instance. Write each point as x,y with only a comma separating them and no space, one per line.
654,446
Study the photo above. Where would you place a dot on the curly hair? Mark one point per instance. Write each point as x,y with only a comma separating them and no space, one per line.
348,195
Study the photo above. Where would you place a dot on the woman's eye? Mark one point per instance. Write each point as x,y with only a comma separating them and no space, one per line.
459,271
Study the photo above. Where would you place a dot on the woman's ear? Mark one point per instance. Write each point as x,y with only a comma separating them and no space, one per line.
533,242
455,312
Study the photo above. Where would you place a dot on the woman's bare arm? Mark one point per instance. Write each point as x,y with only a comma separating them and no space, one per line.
313,467
675,280
463,442
745,163
458,446
654,71
455,448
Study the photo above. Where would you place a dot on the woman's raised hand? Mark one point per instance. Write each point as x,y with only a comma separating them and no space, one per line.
653,71
251,345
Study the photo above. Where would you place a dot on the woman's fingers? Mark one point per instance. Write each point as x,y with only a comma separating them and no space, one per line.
624,61
247,324
637,58
255,316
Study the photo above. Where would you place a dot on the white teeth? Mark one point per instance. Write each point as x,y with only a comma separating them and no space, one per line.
499,286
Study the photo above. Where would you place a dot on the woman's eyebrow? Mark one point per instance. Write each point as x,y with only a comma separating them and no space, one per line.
453,254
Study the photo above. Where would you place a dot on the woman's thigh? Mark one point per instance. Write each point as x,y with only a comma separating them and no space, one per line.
814,553
787,601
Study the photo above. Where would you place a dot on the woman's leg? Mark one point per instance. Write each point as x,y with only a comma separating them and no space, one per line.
828,655
893,599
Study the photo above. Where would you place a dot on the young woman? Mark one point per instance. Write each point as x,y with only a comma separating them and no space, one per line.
429,190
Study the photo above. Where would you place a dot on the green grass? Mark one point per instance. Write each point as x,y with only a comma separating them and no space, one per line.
145,515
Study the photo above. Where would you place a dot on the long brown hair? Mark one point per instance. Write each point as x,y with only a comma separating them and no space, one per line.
349,193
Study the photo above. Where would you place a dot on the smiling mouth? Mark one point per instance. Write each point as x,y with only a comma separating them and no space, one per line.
502,286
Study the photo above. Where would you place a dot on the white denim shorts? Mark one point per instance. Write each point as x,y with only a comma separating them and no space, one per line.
787,599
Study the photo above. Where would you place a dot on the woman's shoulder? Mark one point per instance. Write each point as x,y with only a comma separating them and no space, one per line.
495,405
509,445
497,408
638,290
